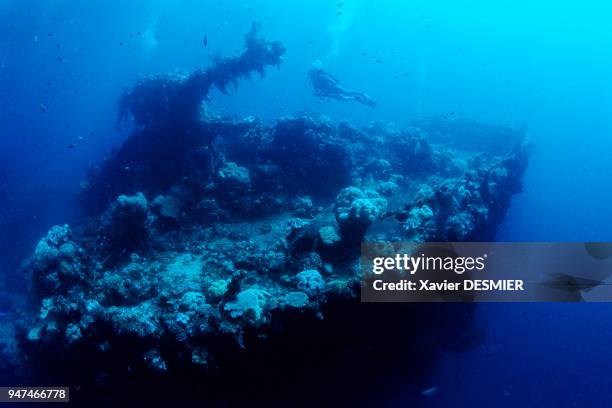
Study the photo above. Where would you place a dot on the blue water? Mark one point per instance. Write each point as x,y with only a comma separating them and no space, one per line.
545,66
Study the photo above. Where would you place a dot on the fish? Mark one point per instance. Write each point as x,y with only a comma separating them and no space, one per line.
43,108
71,146
205,42
430,392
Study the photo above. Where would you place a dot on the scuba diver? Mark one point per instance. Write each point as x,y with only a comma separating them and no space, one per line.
326,86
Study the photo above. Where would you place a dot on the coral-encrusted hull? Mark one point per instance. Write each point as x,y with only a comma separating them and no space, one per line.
237,267
223,254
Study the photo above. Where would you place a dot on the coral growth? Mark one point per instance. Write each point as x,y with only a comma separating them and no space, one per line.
356,210
224,258
158,99
165,110
225,248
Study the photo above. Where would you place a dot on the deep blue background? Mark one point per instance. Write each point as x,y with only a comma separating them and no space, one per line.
544,65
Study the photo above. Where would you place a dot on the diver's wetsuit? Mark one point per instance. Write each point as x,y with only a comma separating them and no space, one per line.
326,86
